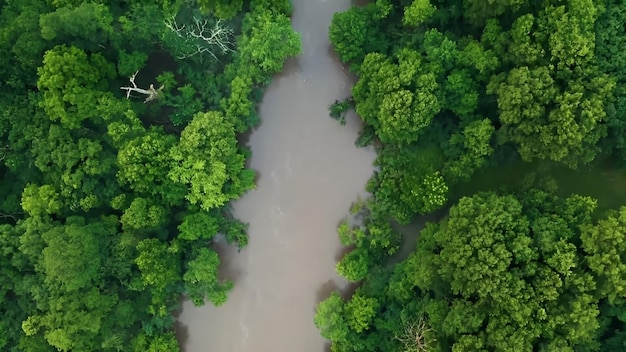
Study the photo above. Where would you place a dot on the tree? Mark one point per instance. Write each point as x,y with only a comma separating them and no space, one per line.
360,311
270,41
567,133
88,25
492,251
399,101
471,149
354,265
161,342
418,12
72,82
144,216
22,46
552,101
605,246
221,8
330,320
348,33
478,11
198,226
41,200
207,160
201,279
73,256
159,265
142,163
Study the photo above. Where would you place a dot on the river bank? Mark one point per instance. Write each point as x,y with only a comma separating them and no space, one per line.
309,174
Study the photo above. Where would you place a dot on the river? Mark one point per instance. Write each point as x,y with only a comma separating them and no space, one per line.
309,174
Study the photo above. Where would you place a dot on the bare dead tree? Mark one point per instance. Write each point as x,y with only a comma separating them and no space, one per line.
4,151
10,216
151,92
417,336
202,38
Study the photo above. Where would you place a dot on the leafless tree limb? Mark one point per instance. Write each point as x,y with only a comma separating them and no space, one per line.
203,37
416,336
8,216
4,150
151,92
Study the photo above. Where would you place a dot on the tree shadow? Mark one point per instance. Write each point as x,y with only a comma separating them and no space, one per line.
182,332
326,289
331,286
228,257
360,2
244,138
327,347
343,251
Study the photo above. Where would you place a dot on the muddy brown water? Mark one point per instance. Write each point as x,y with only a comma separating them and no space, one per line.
309,174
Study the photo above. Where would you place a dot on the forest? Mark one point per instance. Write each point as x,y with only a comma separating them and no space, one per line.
119,154
506,120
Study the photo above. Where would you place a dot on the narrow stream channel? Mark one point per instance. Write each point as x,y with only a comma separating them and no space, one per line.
309,173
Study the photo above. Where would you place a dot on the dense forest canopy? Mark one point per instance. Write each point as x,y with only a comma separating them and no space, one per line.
454,90
118,157
501,272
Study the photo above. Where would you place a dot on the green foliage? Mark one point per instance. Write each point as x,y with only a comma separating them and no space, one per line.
43,200
221,8
330,319
87,25
353,266
98,236
499,273
418,13
397,99
339,109
161,342
73,256
142,163
605,246
360,311
71,83
159,265
130,63
208,161
471,149
479,10
348,33
198,226
270,42
459,86
201,278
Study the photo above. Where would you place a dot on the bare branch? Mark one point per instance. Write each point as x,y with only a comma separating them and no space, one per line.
173,26
416,337
4,151
9,216
151,92
202,38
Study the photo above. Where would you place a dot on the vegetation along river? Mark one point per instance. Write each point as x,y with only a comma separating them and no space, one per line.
309,173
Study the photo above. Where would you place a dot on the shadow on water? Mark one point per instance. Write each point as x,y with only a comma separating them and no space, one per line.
343,251
331,286
244,141
181,330
326,289
410,233
228,255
